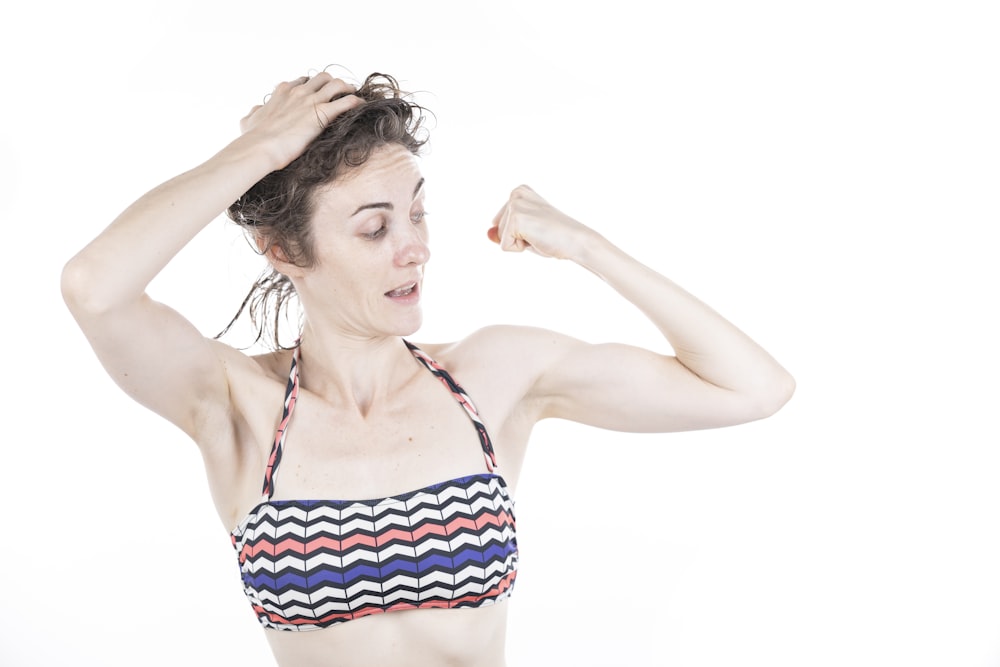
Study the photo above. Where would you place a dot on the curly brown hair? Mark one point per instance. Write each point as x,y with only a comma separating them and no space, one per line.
277,210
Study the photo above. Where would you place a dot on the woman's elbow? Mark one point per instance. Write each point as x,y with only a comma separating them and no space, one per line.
79,292
771,396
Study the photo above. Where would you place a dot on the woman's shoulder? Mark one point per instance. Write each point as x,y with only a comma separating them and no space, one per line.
239,363
500,367
498,347
489,340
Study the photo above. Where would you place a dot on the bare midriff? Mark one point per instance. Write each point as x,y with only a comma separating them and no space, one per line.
414,638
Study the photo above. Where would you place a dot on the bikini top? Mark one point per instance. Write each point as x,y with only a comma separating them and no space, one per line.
309,564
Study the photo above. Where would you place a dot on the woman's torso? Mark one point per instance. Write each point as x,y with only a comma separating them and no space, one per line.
419,437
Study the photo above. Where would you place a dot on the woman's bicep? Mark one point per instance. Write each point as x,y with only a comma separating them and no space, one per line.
159,359
626,388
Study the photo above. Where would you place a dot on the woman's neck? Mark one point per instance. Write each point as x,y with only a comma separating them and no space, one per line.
353,372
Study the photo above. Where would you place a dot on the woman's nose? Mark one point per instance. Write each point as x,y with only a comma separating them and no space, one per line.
413,248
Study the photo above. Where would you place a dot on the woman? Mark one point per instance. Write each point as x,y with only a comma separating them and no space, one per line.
326,179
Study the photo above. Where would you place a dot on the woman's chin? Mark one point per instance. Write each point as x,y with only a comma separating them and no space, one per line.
408,327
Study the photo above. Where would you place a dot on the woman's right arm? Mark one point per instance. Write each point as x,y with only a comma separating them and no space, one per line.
152,352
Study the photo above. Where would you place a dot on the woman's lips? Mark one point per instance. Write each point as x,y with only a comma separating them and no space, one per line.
406,292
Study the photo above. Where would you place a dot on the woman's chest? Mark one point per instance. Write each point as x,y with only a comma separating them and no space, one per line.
333,453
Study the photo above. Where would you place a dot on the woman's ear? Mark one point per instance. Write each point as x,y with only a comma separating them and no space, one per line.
277,257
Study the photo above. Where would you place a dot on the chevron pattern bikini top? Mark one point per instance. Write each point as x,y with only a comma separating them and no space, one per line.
309,564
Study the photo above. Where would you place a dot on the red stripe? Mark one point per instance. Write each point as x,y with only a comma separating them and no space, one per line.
429,529
394,534
500,520
356,539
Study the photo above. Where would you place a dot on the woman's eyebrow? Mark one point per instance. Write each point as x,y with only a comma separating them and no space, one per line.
385,204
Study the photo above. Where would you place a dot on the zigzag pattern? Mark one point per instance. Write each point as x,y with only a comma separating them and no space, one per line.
308,564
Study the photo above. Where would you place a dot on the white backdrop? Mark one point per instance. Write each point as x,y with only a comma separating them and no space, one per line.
824,174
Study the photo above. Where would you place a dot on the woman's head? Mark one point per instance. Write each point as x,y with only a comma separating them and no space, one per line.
278,209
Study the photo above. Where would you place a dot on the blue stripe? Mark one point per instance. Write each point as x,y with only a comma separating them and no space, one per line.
361,572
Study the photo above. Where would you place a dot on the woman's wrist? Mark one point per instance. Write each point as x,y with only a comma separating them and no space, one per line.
257,154
592,251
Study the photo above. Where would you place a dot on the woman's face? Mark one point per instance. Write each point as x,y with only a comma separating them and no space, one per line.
370,246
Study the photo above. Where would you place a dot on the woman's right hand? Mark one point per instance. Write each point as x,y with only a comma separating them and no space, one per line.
296,112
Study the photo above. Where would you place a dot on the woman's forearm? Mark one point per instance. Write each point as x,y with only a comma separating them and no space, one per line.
117,266
703,341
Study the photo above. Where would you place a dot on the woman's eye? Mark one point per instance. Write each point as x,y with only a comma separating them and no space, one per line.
418,216
371,236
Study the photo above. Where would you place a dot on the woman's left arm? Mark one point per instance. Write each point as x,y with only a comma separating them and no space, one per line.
718,377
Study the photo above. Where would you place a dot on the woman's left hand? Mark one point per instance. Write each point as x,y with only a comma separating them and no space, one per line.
528,222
